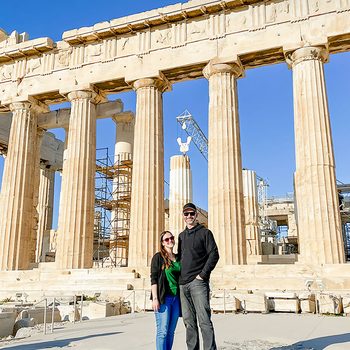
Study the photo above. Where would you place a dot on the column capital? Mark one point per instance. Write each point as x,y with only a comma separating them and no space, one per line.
160,82
308,53
29,104
82,94
124,117
3,151
40,132
215,66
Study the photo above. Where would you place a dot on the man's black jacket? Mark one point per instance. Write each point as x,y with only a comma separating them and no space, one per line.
198,253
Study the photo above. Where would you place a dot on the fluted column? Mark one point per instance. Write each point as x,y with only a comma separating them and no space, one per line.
36,184
44,208
147,195
180,191
251,212
120,216
319,226
124,137
225,192
17,193
76,217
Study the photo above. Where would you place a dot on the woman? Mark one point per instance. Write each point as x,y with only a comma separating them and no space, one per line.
165,273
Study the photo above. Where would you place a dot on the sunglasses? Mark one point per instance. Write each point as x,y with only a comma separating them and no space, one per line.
168,239
190,213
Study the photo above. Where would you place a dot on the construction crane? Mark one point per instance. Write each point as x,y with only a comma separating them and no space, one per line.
195,133
192,129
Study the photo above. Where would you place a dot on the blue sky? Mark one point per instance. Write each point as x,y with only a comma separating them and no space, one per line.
265,97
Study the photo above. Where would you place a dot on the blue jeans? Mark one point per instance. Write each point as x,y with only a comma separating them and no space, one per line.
195,305
166,321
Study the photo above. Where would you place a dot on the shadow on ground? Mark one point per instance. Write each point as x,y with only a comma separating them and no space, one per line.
320,343
55,343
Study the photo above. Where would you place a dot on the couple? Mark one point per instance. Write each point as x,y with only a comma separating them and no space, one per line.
184,277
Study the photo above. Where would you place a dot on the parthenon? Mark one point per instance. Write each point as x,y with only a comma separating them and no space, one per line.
149,53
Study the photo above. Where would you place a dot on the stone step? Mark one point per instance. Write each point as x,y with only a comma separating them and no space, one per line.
77,284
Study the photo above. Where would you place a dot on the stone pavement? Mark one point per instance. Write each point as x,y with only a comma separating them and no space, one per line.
233,332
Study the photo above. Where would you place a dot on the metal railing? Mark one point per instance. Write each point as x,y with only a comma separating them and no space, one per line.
47,307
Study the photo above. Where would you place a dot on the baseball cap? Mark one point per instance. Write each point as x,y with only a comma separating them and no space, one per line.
189,206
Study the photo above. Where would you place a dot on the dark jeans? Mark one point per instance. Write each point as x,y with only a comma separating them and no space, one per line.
195,305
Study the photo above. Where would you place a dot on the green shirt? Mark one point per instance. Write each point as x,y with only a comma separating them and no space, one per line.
172,274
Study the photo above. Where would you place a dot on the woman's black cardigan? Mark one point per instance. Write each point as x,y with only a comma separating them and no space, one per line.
158,276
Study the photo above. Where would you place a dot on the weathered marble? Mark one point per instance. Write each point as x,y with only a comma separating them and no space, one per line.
180,191
17,193
224,164
120,216
319,225
147,194
44,208
251,212
76,217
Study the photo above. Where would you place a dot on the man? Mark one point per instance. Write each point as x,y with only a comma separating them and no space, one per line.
199,254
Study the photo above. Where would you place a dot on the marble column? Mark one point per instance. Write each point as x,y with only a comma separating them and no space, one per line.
44,208
180,191
124,137
36,184
17,193
225,187
147,195
319,225
251,211
76,217
120,216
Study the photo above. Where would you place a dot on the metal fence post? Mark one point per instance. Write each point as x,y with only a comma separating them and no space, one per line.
53,314
224,301
81,307
45,315
74,306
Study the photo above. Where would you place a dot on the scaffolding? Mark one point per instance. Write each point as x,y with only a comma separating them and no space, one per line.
112,209
344,207
267,227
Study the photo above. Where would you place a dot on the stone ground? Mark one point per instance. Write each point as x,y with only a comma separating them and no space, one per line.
233,332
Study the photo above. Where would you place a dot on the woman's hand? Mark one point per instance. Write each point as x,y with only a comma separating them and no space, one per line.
155,305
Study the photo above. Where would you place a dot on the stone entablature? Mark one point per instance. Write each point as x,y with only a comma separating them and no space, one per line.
109,54
52,148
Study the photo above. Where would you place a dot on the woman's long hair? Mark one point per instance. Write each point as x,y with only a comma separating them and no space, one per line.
163,252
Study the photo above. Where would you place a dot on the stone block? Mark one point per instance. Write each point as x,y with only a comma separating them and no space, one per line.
283,301
285,305
137,300
253,302
224,301
64,311
38,314
7,322
281,295
92,310
74,316
24,322
329,303
346,304
121,307
307,302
